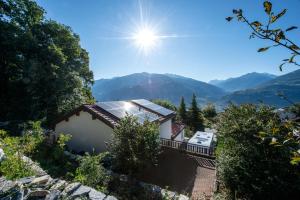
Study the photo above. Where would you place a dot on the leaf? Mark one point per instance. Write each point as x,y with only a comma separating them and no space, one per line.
294,47
268,7
263,49
229,18
274,18
280,66
256,24
291,28
295,160
279,36
291,60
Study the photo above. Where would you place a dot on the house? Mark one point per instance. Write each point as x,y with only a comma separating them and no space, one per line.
91,126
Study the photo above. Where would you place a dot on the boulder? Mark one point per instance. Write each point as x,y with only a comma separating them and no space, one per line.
69,189
26,180
2,155
53,195
81,191
111,198
95,195
59,185
41,180
37,194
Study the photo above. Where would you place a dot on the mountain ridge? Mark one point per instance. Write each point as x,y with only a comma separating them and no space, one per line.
152,85
246,81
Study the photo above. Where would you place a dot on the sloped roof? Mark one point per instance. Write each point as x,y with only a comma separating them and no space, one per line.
102,112
176,129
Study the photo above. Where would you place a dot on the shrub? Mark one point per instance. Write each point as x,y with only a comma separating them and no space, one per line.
90,172
13,166
134,145
251,168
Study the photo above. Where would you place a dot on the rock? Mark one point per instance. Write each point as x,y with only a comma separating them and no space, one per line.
34,166
6,186
2,155
95,195
183,197
53,195
71,188
15,193
37,194
26,180
168,194
41,180
82,190
111,198
59,185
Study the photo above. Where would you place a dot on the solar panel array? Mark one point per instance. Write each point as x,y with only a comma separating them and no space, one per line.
152,106
121,108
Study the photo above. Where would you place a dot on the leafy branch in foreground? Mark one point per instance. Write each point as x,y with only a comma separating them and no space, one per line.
266,32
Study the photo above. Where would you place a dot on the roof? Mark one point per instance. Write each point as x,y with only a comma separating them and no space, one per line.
176,129
202,138
111,112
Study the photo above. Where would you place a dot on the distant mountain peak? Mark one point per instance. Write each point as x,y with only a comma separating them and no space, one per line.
246,81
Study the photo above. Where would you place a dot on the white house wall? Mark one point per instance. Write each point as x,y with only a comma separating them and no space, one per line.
165,129
87,134
180,136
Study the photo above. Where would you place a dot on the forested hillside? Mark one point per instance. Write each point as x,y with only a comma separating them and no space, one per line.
274,92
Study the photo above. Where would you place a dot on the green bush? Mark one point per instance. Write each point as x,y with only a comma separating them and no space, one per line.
91,173
134,145
251,168
13,166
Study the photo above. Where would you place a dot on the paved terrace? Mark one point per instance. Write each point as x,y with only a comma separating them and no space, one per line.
182,173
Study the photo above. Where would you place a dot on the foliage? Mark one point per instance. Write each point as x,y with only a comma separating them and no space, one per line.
251,168
195,120
134,145
165,103
43,69
265,31
209,111
33,143
295,108
91,173
13,166
279,38
182,114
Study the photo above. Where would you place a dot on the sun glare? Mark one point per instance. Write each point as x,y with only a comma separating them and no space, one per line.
145,39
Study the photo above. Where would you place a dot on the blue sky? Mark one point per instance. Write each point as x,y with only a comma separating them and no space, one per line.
206,46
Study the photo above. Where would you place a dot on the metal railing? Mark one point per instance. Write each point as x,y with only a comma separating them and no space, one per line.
191,148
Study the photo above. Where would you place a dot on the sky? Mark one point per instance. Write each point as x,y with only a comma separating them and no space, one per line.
192,38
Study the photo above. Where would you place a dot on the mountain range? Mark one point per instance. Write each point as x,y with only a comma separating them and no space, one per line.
243,82
249,88
152,86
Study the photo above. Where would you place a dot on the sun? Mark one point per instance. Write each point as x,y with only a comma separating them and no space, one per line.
145,39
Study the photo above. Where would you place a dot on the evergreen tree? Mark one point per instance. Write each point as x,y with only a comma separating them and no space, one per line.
195,117
182,111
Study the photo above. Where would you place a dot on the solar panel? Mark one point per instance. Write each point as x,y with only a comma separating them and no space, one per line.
121,108
152,106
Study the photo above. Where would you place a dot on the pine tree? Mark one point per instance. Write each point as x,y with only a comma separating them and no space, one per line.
182,111
195,117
